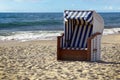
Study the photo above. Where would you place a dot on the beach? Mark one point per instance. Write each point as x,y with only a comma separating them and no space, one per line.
28,49
36,60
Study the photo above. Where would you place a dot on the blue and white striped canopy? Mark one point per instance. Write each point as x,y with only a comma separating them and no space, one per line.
78,27
86,16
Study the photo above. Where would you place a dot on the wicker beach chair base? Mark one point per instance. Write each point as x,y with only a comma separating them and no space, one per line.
80,55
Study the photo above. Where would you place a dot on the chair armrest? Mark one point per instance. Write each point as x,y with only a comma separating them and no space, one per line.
58,40
90,38
94,35
62,34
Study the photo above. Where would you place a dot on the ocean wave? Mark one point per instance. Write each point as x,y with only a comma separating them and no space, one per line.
33,23
7,33
111,31
31,35
43,35
111,26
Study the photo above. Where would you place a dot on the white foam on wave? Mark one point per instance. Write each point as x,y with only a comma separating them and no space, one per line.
45,35
111,31
32,35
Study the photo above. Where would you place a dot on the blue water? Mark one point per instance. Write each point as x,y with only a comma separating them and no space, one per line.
31,21
14,22
111,20
46,21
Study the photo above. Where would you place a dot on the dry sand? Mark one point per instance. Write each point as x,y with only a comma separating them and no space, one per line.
36,60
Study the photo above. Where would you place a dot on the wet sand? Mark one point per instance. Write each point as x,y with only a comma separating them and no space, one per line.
36,60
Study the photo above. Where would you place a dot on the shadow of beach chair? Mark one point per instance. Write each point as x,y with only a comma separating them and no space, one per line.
81,39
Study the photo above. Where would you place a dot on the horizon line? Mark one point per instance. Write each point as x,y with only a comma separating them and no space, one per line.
55,12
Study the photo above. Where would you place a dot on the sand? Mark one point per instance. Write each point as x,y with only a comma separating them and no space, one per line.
36,60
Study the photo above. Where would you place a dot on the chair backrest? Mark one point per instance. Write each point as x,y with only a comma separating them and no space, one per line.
78,27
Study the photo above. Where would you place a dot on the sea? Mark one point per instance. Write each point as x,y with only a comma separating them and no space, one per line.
45,26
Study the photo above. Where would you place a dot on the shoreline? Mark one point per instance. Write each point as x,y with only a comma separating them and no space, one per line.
45,35
106,39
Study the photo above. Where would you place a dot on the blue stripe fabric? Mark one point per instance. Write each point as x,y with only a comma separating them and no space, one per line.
90,32
78,27
80,35
65,45
86,15
84,37
75,34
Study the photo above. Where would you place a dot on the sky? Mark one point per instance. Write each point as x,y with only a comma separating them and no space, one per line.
59,5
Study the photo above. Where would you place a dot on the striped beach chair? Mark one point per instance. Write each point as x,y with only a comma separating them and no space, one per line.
81,39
